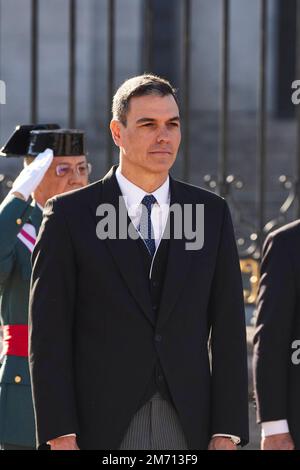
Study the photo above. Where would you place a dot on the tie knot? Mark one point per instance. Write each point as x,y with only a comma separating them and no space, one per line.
148,201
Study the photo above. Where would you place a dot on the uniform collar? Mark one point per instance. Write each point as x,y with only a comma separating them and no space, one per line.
36,215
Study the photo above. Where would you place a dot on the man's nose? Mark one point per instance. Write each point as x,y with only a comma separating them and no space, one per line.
163,135
74,176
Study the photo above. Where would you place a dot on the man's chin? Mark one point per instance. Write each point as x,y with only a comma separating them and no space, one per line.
161,166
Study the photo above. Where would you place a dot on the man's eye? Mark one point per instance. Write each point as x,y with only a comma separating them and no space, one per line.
174,124
148,124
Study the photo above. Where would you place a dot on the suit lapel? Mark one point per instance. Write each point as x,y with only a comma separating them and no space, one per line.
126,253
178,265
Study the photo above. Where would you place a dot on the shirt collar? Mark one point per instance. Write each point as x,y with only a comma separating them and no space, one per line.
39,206
134,195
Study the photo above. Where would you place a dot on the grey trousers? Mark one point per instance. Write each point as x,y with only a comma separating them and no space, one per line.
155,426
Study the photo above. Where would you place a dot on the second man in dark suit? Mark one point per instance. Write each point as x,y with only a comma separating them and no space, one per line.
277,341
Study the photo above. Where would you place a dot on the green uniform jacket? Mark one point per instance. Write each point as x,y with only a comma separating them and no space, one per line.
16,410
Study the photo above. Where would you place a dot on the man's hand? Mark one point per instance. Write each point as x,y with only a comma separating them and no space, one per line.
64,443
221,443
31,176
282,441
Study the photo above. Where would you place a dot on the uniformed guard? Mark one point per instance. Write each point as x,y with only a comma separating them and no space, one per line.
20,217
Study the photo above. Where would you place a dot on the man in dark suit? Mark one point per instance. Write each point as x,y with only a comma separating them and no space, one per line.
276,341
120,325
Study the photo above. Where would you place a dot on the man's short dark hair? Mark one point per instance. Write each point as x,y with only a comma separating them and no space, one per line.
141,85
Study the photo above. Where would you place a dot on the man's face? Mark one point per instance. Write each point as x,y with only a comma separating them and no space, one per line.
151,137
72,176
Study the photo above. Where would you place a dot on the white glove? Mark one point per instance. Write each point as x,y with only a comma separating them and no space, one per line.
29,178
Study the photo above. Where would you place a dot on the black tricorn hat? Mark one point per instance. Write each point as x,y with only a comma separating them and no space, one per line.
63,142
18,143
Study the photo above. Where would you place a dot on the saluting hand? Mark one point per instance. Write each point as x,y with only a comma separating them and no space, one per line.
31,176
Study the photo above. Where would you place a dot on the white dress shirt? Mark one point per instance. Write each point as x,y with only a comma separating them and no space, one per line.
268,428
133,196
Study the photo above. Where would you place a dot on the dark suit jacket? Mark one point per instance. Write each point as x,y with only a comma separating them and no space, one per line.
276,378
94,342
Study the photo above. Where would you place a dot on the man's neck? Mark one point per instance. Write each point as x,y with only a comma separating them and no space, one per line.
149,182
38,201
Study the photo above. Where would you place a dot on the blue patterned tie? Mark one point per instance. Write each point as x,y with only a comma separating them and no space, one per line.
145,227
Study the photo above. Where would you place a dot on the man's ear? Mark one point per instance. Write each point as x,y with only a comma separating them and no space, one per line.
115,128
